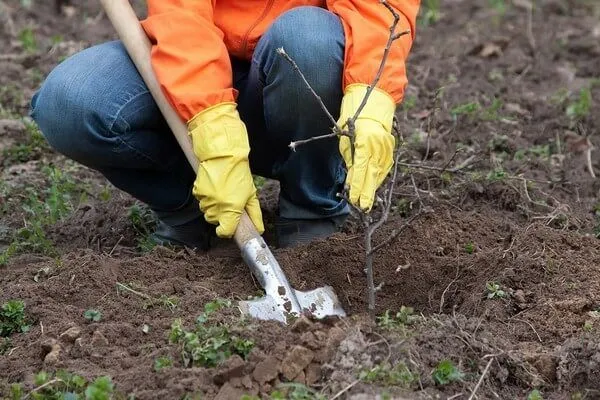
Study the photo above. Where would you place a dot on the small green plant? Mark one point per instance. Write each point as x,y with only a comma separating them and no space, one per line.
535,395
30,148
43,209
588,326
5,345
208,344
492,113
580,108
470,109
92,315
429,13
470,248
259,181
499,5
28,40
143,223
12,318
387,375
162,362
446,372
496,175
403,317
168,302
65,386
494,291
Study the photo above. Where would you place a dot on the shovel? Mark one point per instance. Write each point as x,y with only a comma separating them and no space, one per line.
281,302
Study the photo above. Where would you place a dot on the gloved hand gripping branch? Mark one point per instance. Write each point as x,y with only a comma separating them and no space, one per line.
373,142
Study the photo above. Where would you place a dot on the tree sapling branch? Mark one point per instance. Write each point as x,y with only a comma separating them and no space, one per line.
384,203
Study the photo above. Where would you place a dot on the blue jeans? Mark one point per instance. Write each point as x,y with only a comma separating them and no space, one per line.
95,109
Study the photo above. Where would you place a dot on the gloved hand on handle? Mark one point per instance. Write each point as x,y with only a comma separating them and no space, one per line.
373,144
224,185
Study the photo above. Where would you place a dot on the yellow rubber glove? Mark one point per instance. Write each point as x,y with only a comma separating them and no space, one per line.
224,185
373,144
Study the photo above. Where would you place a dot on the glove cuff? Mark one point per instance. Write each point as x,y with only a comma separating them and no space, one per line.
218,131
380,106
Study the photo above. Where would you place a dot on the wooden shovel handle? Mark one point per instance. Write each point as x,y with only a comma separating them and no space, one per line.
131,33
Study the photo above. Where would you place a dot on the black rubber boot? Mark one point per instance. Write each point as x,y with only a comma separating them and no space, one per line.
294,232
185,227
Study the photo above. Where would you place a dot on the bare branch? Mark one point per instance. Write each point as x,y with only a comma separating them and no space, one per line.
397,232
289,59
297,143
393,36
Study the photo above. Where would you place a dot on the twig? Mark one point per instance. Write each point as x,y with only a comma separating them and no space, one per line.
397,232
297,143
531,326
344,390
485,371
289,59
371,228
588,161
128,289
115,246
393,36
530,36
45,385
412,179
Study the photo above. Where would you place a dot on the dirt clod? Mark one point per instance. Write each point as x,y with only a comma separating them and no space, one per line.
295,362
266,370
71,334
233,367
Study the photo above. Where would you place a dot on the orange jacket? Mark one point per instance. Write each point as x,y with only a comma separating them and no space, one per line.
192,40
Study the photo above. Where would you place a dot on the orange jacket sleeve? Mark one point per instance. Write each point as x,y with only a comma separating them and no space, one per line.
189,57
366,26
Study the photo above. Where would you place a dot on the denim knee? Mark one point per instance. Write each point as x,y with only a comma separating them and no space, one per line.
77,106
314,38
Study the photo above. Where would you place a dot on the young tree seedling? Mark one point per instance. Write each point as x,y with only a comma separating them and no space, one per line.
384,202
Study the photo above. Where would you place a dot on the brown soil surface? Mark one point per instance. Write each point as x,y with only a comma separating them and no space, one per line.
499,113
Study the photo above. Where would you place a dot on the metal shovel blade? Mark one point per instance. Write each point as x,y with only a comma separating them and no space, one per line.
318,303
281,302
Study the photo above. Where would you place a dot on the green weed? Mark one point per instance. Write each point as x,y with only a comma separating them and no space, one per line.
402,318
259,181
208,344
474,110
65,386
28,40
494,291
5,345
92,315
12,318
470,248
143,222
30,149
55,203
387,375
496,175
535,395
429,12
580,108
470,108
162,362
446,372
499,6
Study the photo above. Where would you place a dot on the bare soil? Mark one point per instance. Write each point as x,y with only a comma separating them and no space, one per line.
501,108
